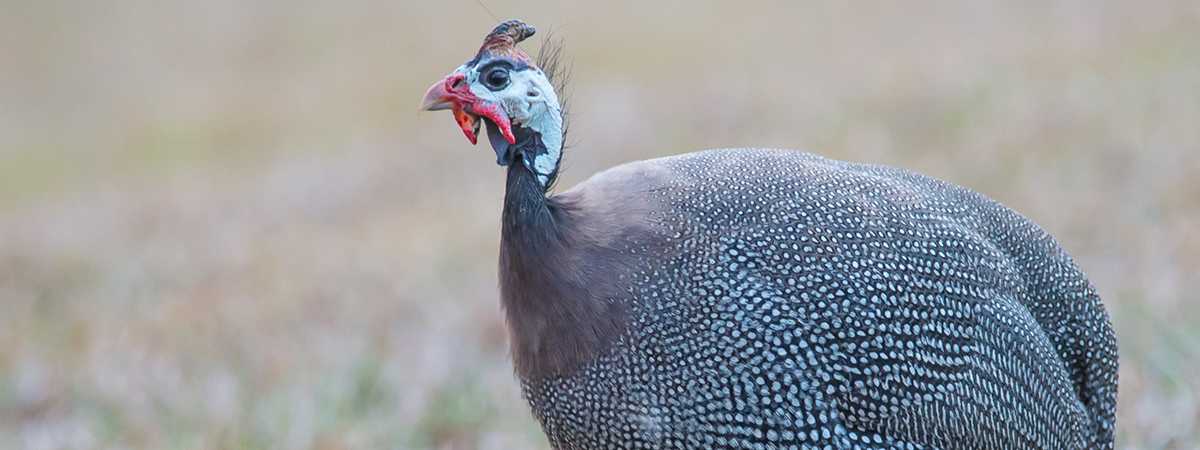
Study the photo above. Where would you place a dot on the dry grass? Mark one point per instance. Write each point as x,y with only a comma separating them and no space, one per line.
222,224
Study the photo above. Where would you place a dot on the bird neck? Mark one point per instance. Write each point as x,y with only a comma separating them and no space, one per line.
537,144
557,317
528,215
529,221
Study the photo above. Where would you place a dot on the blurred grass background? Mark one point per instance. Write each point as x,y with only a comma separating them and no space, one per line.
224,225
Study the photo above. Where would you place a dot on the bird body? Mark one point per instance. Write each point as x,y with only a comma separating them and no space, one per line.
780,298
757,298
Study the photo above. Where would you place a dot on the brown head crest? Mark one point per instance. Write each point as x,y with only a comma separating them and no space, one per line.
503,40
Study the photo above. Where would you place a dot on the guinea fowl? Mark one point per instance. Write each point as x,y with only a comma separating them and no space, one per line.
756,298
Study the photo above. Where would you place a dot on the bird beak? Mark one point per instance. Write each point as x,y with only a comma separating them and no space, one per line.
436,98
453,94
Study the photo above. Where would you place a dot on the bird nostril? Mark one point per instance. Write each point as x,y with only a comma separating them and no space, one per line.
456,81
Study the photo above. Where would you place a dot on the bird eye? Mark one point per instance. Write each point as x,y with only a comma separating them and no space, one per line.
496,79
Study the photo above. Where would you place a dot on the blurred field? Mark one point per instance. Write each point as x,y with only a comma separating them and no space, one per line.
224,225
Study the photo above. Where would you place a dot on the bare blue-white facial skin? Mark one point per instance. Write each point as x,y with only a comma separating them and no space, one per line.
527,98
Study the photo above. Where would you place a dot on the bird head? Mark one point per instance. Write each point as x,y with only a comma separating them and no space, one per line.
503,89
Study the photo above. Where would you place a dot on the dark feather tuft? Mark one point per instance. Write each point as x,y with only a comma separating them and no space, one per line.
558,70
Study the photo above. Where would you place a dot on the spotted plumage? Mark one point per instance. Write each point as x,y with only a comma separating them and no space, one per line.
773,299
810,302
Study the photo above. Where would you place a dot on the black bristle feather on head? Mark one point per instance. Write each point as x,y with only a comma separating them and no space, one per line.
558,70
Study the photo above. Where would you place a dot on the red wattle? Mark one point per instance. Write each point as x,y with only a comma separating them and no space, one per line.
465,121
496,113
